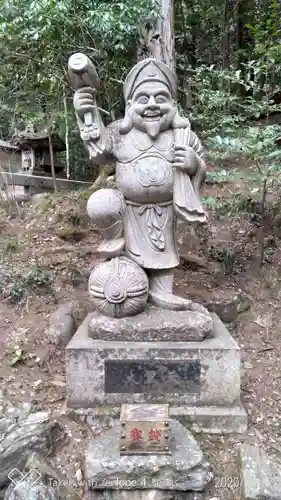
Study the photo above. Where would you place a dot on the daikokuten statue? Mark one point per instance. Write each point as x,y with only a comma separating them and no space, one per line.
159,171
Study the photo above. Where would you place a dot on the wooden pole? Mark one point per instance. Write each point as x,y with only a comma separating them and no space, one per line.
66,137
52,161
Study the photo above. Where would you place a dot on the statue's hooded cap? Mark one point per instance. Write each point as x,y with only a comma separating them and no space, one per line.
149,70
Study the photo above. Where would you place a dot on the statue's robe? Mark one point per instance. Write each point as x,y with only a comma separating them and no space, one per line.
153,194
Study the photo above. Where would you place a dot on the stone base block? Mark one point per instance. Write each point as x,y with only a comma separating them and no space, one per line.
183,374
261,473
184,470
154,324
145,495
209,419
212,419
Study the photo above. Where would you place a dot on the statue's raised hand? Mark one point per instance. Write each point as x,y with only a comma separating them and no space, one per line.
185,159
84,101
85,107
85,80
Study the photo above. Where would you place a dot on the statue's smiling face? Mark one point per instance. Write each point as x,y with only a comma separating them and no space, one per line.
151,108
151,101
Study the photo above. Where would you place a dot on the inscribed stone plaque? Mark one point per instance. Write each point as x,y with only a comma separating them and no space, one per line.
145,429
152,376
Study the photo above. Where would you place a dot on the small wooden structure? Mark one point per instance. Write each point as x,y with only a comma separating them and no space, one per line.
26,159
145,429
10,157
37,183
35,150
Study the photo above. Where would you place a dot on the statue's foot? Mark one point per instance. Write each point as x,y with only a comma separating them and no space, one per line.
111,248
160,292
169,301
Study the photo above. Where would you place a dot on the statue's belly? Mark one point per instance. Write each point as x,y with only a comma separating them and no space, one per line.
146,180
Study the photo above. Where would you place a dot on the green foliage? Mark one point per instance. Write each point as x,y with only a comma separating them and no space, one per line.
18,356
224,84
38,277
215,105
220,205
258,144
23,285
36,41
269,254
221,175
223,255
12,246
17,291
266,32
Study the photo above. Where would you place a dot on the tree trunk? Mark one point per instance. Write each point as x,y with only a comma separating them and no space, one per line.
165,27
244,39
158,41
225,36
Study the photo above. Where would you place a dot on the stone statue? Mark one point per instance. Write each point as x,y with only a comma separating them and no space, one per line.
159,171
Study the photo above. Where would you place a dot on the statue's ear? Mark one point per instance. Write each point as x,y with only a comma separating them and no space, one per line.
128,103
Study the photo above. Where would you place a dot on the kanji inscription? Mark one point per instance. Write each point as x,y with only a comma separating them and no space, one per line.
136,434
154,434
152,376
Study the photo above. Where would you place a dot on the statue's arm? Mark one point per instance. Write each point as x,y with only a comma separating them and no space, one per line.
197,166
189,174
95,136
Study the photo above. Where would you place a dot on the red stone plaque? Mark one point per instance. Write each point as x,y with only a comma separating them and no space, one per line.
145,430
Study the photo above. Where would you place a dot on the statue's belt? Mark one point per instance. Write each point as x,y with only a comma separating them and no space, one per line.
146,206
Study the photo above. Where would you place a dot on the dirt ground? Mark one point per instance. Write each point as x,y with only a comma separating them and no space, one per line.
48,248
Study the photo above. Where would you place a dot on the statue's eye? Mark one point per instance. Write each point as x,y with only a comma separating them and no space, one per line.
160,99
143,99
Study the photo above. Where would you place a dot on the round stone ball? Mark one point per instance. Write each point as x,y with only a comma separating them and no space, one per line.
119,287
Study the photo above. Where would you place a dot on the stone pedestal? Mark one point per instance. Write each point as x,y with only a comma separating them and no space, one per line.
200,380
144,495
184,470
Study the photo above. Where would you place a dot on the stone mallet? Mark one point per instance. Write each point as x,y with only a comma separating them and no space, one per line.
82,73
